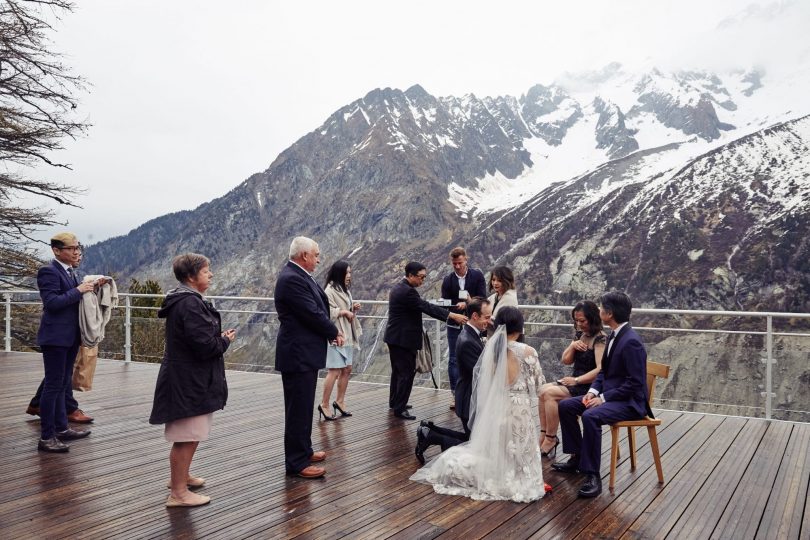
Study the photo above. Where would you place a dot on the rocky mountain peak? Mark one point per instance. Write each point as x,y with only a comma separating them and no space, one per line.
612,133
404,174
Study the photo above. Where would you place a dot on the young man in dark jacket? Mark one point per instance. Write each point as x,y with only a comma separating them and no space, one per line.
459,286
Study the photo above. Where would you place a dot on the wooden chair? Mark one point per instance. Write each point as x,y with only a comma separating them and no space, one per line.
654,370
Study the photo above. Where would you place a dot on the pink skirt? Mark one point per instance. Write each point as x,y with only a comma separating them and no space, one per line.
191,429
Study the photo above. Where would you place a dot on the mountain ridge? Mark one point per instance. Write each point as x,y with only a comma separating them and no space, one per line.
396,175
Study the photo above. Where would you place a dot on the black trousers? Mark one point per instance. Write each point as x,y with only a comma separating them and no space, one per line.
70,402
58,362
299,402
447,438
403,371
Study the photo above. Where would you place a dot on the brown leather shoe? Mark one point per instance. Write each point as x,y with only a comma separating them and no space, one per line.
312,472
320,455
33,411
78,417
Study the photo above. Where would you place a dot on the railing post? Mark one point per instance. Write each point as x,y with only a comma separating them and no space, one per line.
769,368
439,349
127,329
7,296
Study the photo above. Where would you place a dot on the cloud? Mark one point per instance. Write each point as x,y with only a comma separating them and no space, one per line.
770,36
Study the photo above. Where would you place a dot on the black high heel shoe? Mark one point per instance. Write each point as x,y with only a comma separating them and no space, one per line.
552,453
322,413
342,412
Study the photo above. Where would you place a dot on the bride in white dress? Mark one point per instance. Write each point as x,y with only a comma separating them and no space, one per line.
501,461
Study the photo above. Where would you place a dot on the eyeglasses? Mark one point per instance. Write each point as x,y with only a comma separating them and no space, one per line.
72,249
421,276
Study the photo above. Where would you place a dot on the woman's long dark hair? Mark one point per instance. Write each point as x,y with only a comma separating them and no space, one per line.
505,276
591,312
337,275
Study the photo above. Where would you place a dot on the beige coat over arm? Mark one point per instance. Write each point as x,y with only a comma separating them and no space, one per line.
339,300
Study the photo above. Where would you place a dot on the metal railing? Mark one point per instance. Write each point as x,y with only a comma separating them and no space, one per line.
549,319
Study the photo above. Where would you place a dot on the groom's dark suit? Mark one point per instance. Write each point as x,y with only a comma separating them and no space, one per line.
468,349
623,383
303,310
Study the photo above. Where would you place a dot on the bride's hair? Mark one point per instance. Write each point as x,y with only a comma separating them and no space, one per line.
511,318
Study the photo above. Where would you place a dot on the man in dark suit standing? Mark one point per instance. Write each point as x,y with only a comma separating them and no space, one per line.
74,413
303,311
403,334
59,338
468,348
459,286
618,393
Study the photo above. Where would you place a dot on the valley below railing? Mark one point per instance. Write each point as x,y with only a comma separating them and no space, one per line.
753,364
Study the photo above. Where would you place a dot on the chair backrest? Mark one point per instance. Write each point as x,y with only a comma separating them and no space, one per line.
654,369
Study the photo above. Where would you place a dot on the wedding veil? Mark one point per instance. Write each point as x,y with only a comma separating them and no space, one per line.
496,463
490,414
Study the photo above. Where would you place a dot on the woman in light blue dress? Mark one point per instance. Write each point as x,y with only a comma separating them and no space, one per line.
342,311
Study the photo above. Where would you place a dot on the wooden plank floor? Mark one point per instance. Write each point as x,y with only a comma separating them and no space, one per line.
726,477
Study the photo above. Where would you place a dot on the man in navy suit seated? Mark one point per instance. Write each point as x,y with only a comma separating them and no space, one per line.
59,338
303,311
618,393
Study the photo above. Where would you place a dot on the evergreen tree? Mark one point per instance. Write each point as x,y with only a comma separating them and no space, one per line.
148,334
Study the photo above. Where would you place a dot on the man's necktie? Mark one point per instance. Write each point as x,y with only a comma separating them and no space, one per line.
72,274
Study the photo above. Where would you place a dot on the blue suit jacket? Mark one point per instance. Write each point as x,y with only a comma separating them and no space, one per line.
303,310
624,372
60,307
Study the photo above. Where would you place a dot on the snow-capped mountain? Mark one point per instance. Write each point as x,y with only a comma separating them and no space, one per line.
583,121
645,168
728,228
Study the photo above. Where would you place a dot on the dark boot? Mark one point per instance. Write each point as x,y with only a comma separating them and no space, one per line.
592,486
570,466
422,443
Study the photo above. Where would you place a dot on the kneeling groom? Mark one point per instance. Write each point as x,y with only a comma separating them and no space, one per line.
618,393
468,349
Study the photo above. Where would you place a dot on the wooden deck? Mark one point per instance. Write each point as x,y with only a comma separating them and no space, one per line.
726,477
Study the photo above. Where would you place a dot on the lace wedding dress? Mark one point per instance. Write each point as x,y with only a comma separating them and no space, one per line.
501,461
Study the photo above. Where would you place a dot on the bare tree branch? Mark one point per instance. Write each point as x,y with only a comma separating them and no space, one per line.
37,107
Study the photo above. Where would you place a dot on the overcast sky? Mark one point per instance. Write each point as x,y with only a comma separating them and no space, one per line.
190,97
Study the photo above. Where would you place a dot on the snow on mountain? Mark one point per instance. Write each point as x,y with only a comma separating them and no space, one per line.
584,120
725,228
